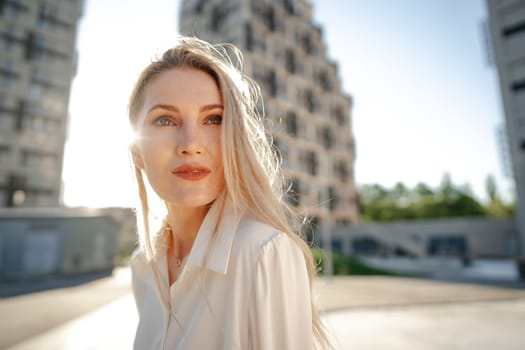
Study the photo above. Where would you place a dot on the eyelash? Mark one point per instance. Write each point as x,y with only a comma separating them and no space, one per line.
159,121
216,117
167,121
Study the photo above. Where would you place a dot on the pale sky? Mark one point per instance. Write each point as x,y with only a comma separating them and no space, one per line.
425,100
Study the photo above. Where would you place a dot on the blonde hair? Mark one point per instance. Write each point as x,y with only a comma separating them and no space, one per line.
252,171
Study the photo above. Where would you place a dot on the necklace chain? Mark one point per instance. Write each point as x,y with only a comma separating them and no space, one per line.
168,230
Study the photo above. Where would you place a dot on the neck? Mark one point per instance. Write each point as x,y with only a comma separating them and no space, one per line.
185,224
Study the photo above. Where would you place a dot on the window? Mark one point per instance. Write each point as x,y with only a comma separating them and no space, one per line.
199,6
288,6
340,115
42,15
41,82
324,80
43,161
9,37
342,222
271,82
294,192
341,170
333,198
32,49
217,17
310,101
326,137
291,123
514,29
7,74
307,43
309,161
312,229
29,122
290,61
36,49
16,8
249,37
450,245
518,85
2,115
16,185
4,154
266,78
281,149
269,19
47,18
337,245
19,113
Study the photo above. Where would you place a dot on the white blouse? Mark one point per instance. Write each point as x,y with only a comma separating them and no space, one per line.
251,292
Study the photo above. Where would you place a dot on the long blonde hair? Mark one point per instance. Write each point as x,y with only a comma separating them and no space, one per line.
252,170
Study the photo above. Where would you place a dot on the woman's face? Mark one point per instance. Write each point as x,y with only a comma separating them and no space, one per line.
179,145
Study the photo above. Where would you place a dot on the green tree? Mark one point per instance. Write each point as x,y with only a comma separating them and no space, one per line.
379,203
492,190
496,207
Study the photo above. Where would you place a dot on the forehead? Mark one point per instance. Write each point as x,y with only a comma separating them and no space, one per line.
182,86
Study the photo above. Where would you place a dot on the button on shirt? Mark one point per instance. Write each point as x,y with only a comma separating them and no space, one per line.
250,291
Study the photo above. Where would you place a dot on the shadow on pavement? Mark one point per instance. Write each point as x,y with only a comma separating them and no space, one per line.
11,288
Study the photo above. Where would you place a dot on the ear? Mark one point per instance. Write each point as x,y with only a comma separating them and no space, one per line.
136,156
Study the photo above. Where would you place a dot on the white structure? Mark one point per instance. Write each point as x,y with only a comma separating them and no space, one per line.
56,241
447,237
507,28
37,64
303,100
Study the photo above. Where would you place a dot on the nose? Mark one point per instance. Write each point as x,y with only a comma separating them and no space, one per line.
189,141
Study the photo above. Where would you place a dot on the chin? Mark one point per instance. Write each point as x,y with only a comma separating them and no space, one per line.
191,201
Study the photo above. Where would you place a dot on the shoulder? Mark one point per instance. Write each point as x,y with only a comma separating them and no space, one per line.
140,265
138,258
257,239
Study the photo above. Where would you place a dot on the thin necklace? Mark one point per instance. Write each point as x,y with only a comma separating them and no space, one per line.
168,230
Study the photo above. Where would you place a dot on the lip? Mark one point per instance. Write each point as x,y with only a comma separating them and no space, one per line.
191,172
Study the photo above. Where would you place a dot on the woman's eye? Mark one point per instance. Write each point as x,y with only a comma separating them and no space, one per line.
215,120
163,121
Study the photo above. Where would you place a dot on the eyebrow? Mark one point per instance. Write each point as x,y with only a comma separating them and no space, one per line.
176,110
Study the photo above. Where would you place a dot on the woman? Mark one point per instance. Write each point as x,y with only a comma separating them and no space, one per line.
226,270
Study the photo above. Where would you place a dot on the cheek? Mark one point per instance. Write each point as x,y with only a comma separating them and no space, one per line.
217,148
154,150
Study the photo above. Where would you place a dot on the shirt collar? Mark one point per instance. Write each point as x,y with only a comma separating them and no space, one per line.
213,251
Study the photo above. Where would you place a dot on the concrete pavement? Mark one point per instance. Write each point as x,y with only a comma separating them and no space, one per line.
109,327
372,292
361,312
27,315
463,326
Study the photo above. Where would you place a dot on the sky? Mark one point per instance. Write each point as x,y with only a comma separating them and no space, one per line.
426,100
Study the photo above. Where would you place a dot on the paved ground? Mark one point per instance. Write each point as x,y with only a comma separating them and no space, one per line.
463,326
361,312
388,292
26,315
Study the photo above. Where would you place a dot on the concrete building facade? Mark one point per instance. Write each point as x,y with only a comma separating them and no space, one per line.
306,109
448,237
56,241
507,29
37,63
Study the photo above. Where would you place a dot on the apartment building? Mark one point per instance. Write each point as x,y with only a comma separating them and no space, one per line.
37,64
306,109
507,29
